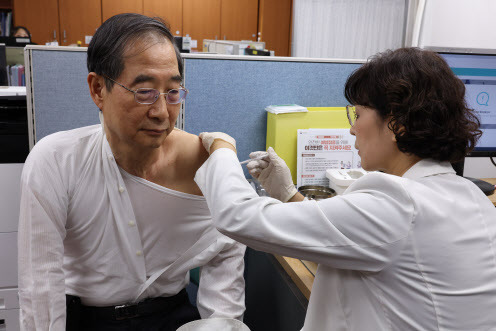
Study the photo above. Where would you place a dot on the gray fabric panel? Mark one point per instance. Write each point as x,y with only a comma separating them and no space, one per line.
231,95
61,96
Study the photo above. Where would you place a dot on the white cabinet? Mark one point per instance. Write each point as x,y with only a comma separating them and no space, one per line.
10,177
8,260
9,310
9,299
9,320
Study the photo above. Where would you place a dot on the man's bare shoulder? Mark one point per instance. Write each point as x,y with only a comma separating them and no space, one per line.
189,147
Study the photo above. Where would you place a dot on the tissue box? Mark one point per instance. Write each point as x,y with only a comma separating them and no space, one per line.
282,129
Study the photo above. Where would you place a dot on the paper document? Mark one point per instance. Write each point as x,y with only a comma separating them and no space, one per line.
283,109
322,149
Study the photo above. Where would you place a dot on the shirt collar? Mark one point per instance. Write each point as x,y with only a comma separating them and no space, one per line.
428,167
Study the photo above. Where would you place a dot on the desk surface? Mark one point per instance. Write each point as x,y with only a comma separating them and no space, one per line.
492,197
303,272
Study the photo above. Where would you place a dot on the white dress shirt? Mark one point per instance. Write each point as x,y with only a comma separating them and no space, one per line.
79,234
416,252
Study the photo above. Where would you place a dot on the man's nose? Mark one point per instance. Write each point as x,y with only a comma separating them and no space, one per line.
159,109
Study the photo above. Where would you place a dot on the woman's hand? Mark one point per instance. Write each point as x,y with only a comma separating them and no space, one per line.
274,175
212,141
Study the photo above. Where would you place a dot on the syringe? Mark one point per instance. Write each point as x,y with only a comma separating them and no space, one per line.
256,158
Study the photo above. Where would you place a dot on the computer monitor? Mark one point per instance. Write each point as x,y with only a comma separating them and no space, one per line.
15,55
477,70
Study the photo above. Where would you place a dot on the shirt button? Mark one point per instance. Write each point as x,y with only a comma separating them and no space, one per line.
121,189
131,223
139,253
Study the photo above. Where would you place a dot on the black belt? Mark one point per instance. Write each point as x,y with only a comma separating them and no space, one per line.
143,308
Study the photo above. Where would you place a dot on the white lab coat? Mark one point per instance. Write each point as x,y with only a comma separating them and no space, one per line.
395,253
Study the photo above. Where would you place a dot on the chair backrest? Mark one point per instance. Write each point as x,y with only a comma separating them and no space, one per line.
218,324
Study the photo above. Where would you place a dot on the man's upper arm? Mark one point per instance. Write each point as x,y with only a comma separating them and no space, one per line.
41,233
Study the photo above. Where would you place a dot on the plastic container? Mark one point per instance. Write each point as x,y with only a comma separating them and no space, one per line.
340,179
282,129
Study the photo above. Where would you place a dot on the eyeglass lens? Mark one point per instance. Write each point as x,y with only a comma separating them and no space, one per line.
149,96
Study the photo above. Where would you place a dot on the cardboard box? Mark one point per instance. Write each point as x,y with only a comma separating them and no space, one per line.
282,129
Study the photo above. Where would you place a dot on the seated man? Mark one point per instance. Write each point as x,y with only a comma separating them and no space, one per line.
106,208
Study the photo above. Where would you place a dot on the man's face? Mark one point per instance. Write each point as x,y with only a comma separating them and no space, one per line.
138,125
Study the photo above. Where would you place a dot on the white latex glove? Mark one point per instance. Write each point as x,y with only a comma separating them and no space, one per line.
208,139
274,175
260,161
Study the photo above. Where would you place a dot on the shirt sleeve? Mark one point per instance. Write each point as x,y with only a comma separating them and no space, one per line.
364,229
40,243
221,291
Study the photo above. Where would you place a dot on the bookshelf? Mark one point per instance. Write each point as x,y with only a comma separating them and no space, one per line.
6,17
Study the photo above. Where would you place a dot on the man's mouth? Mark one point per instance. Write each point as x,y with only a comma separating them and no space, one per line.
154,131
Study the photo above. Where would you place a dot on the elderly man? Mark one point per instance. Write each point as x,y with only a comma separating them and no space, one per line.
111,218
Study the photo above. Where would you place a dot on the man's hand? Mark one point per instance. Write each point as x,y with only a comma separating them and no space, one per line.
215,140
274,175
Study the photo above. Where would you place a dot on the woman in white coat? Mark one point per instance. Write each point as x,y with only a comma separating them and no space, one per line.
412,247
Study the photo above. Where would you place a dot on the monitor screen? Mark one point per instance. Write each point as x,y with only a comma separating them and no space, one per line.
15,55
477,70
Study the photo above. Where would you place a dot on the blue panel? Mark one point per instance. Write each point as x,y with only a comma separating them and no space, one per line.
231,95
61,96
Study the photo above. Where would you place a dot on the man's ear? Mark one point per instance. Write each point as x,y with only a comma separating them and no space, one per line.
96,83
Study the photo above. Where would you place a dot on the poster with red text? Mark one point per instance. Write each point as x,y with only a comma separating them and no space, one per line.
322,149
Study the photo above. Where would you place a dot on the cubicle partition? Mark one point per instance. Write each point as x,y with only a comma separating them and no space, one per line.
227,93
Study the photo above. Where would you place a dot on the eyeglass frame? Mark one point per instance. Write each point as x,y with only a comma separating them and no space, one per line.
350,120
159,93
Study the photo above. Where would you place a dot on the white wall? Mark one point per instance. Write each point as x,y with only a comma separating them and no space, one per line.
459,23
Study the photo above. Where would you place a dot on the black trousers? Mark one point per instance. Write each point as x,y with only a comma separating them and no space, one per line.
168,320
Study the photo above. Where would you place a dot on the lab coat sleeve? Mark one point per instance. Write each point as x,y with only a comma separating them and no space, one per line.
42,221
364,229
221,291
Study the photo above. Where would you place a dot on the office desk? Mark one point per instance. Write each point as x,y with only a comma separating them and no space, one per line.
492,197
303,273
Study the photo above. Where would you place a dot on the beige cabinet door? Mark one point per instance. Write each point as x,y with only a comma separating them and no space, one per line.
114,7
201,20
171,11
239,19
41,17
78,19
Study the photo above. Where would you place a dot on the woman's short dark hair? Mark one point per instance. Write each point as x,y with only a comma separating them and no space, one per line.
423,100
107,47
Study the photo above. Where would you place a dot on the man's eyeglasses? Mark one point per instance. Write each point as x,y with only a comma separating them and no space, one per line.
351,113
148,96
